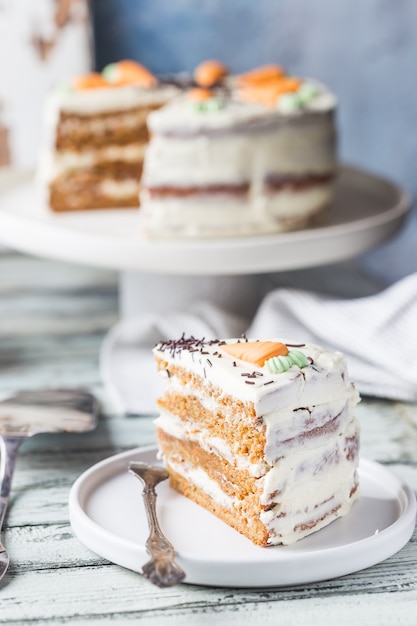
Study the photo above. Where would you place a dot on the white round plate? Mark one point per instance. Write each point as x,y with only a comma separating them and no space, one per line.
107,515
366,211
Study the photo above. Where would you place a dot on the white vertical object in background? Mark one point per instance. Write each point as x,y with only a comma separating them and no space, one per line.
42,43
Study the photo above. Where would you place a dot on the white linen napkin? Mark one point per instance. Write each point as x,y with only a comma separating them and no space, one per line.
378,335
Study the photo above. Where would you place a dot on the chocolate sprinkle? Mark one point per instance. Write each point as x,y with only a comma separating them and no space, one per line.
252,374
177,346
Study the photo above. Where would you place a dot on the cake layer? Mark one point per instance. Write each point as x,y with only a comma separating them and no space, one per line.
88,189
75,132
112,156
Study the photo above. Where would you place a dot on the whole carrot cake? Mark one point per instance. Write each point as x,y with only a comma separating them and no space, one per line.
204,155
260,433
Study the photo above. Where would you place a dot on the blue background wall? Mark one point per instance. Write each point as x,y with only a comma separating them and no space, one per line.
366,51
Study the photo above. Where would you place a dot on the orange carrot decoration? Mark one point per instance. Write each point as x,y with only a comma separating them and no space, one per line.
89,81
129,72
261,75
209,73
199,95
268,92
256,352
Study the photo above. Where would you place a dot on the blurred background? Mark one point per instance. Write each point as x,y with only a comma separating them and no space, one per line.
365,51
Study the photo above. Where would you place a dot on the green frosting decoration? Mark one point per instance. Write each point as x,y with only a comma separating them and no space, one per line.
287,103
213,104
290,102
109,72
298,358
280,364
306,93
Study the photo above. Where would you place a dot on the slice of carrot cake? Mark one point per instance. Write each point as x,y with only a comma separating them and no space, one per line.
261,433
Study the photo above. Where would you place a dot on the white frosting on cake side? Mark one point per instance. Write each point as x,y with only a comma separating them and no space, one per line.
241,157
106,100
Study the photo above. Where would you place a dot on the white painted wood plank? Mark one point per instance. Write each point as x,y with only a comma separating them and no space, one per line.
52,546
108,590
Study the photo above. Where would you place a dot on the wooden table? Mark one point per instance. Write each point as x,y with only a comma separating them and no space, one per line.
53,318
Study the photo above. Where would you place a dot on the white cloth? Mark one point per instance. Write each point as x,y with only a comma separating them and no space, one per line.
378,335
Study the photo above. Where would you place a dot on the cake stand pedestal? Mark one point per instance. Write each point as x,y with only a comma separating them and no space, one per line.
169,275
141,293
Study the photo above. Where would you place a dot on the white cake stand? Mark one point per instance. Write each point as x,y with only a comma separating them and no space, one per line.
169,275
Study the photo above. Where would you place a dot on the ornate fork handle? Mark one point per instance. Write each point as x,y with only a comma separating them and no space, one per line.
9,446
161,570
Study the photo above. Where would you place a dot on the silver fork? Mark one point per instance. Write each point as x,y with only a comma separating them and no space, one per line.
162,569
